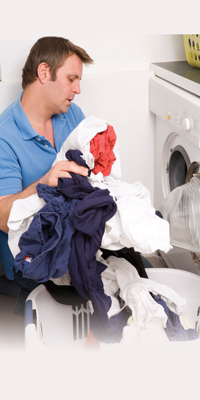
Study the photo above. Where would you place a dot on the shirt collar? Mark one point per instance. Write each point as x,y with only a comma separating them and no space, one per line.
24,125
22,121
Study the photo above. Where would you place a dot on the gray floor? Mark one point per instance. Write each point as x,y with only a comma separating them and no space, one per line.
12,326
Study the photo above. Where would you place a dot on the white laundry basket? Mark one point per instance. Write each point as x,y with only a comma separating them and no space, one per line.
50,325
60,327
186,285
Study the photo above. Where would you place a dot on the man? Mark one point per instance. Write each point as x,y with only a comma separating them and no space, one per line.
33,129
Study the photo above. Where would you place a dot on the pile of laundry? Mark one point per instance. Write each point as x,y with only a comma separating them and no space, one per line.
63,234
135,222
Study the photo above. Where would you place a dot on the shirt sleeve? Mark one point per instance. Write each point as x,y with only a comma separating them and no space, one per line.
10,171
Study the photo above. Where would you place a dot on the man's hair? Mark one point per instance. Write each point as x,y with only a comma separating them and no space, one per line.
53,51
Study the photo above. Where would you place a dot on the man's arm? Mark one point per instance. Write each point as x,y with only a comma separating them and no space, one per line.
61,169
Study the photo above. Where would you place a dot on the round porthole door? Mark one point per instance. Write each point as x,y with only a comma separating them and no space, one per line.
179,164
175,163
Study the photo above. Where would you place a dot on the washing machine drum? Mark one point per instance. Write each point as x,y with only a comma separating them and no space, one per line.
179,164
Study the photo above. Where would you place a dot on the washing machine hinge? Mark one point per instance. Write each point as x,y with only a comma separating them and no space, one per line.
167,169
197,175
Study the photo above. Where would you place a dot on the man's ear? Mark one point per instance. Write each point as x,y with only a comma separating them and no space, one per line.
43,72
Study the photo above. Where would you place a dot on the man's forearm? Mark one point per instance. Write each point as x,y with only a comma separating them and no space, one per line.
6,203
61,169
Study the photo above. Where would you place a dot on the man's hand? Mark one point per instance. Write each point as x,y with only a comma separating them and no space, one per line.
61,170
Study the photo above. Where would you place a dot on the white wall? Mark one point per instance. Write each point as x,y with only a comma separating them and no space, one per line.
115,88
111,54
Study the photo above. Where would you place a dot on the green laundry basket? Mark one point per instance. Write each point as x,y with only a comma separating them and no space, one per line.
192,49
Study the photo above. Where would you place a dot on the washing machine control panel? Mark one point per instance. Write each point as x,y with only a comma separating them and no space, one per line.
184,121
177,107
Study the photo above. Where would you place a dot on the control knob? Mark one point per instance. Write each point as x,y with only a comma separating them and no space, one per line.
186,124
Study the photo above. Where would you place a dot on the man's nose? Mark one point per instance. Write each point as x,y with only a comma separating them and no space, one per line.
77,88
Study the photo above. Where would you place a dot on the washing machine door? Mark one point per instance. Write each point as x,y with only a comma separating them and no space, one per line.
178,167
181,204
180,161
181,208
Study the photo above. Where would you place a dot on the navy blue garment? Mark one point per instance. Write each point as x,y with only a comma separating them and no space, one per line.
65,294
89,218
108,330
25,286
174,330
76,156
133,257
80,186
158,213
76,188
45,246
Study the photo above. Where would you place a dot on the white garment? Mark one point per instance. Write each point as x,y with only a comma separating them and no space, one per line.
80,139
135,223
134,335
134,290
149,317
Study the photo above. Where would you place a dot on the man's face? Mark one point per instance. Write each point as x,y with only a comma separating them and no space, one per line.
61,92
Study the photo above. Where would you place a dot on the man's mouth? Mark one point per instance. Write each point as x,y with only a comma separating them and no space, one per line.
71,99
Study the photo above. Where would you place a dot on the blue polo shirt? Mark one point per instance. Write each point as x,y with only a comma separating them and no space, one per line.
26,156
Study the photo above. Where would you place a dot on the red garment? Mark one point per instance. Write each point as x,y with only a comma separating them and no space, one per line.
101,147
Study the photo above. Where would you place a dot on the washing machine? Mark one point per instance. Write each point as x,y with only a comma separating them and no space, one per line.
177,146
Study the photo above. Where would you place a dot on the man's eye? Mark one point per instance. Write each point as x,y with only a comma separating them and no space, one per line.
70,79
